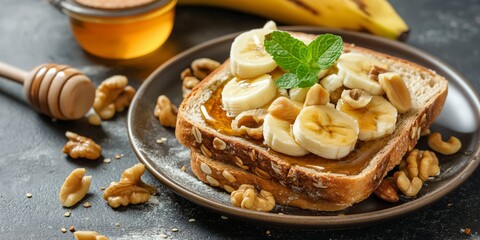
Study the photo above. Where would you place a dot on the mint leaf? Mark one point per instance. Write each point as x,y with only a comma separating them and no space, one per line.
285,50
287,80
302,63
325,50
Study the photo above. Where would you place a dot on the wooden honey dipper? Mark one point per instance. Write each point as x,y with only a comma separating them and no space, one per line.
59,91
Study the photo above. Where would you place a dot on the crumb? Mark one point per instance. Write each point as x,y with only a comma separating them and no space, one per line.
71,229
224,217
449,205
174,229
163,235
67,214
29,195
102,188
87,205
107,160
161,140
468,153
118,156
117,224
184,168
268,232
191,220
467,231
64,230
280,213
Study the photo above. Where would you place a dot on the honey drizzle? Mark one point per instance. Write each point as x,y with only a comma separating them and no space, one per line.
352,164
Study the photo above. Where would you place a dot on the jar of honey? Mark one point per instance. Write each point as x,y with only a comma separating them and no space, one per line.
122,30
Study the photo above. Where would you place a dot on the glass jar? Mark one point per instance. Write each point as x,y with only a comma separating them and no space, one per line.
120,33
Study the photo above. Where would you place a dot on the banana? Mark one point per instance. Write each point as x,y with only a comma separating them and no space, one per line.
325,131
240,95
376,120
354,68
375,16
248,57
278,136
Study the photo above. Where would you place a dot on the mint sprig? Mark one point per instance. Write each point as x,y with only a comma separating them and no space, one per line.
302,63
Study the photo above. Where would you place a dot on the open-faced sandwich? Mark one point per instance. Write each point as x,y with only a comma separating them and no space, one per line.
304,120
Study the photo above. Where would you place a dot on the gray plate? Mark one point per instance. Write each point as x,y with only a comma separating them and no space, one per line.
460,117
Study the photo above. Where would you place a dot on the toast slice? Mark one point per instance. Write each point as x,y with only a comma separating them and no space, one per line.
324,183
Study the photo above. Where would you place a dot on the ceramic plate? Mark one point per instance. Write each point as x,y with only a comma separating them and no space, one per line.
460,117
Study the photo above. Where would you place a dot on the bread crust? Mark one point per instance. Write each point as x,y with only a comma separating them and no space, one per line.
283,195
342,189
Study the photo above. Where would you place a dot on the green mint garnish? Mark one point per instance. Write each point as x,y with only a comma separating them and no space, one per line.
302,63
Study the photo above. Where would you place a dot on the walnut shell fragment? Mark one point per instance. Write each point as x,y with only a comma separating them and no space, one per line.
74,188
130,189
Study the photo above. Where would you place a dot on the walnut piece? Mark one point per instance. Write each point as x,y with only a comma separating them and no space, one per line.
285,109
409,187
317,95
250,123
166,112
74,188
247,197
446,148
416,169
130,188
112,95
88,235
386,191
202,67
81,147
108,91
396,91
188,84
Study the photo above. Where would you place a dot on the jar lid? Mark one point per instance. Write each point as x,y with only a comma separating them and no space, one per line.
132,9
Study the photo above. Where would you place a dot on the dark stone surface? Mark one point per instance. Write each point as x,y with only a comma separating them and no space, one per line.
33,32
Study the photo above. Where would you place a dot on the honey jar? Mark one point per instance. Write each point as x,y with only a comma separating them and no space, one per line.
122,31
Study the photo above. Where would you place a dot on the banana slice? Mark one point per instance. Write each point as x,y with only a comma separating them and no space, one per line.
376,120
278,136
248,57
240,95
331,82
298,94
325,131
354,68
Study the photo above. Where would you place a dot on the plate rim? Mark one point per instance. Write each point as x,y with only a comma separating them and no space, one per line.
301,221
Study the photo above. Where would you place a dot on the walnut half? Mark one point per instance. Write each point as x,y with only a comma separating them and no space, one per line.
112,95
74,188
130,188
247,197
81,147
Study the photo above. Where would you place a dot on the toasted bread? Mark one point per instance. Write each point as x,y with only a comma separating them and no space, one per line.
316,183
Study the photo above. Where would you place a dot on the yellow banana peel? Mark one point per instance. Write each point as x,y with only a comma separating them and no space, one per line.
375,16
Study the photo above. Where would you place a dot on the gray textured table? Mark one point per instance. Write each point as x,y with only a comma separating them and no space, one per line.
33,32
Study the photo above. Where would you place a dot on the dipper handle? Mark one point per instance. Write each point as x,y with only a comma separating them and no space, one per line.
12,73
